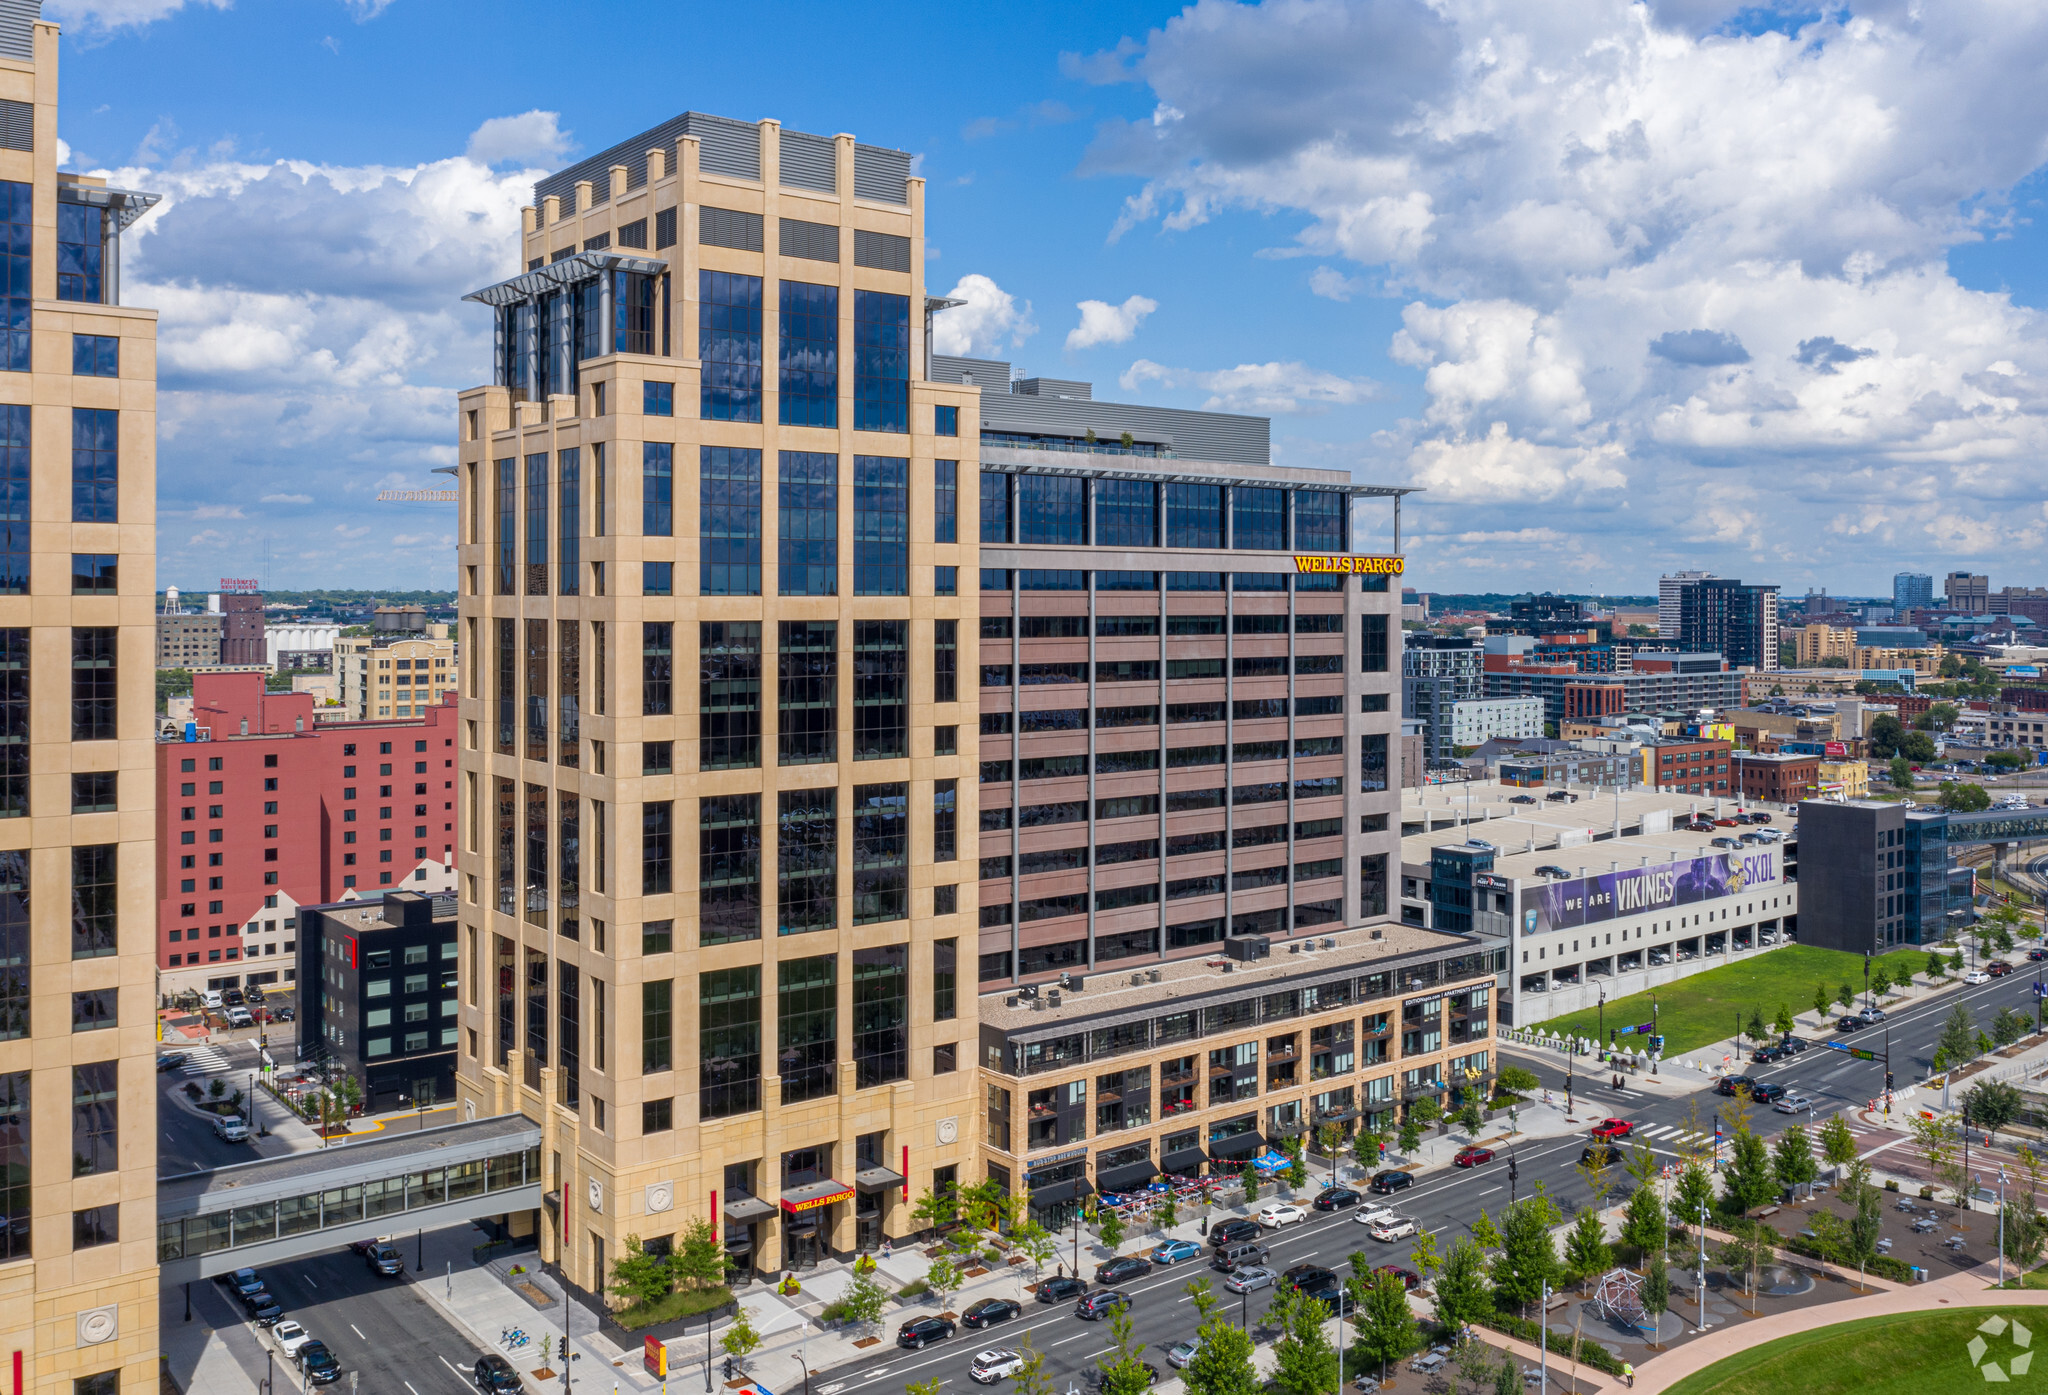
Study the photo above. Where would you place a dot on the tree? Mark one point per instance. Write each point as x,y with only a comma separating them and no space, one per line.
1884,734
1248,1178
1837,1144
1202,1296
741,1339
1527,1258
1643,1225
1514,1080
1035,1242
1881,980
1124,1372
1756,1024
1941,716
1993,1104
1748,1181
943,1278
1471,1119
1901,773
1656,1290
1961,797
1694,1193
1462,1297
1329,1138
1958,1041
1934,965
864,1300
983,1204
1411,1133
1783,1023
1297,1173
1386,1325
1585,1248
1792,1159
1955,964
1426,1259
1110,1226
1846,996
1365,1148
1598,1175
1031,1378
1166,1214
1222,1363
639,1277
1304,1362
924,1387
1866,1227
1426,1111
2008,1027
1485,1234
1747,1250
1917,746
937,1207
1820,999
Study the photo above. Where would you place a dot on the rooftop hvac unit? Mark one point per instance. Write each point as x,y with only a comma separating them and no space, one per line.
1029,990
1137,980
1053,997
1010,1001
1151,975
1329,944
1246,948
1075,982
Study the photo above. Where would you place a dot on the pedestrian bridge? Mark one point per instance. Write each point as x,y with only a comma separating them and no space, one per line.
296,1204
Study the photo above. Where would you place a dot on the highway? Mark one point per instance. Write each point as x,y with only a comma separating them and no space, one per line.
1444,1202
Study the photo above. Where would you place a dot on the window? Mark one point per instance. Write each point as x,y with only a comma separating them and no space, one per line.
881,1015
569,490
657,853
657,489
81,245
657,937
945,980
1194,515
809,350
657,1026
1052,509
881,362
1372,653
658,399
881,525
945,661
729,1042
14,478
808,509
537,524
807,691
995,517
507,526
807,860
95,356
728,868
945,581
91,1011
945,421
1126,513
807,1026
657,639
729,694
657,578
95,465
945,899
881,689
95,898
729,345
946,498
92,792
657,757
657,1116
881,853
729,521
1258,518
96,1225
945,820
94,1119
17,234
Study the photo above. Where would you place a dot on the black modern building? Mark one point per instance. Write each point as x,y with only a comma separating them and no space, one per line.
1877,876
1732,619
377,994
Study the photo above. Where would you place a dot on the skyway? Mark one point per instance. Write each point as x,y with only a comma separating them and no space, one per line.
281,1208
1997,826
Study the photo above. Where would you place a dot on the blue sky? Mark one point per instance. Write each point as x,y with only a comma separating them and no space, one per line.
1625,288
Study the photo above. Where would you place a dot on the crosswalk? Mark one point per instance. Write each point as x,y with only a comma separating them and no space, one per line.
204,1060
1661,1133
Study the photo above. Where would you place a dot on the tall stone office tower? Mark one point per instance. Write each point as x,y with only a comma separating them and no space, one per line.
78,1280
717,780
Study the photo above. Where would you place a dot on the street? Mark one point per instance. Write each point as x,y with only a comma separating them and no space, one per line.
1444,1203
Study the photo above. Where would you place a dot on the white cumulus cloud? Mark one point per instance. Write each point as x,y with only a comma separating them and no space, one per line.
1103,323
991,322
99,17
1274,389
535,137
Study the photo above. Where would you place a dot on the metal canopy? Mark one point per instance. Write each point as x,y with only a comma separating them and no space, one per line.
1100,472
557,276
126,205
747,1208
877,1179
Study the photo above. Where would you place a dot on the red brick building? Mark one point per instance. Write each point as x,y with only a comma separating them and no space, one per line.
1689,767
1777,777
264,811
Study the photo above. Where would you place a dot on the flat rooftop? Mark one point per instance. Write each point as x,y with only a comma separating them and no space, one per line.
313,1168
1191,982
1602,827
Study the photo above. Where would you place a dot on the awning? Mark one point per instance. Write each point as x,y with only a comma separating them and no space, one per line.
814,1195
747,1208
738,1245
1059,1192
1186,1163
877,1179
1241,1145
1123,1179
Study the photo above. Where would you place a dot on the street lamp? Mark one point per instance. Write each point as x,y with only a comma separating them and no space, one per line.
1702,1291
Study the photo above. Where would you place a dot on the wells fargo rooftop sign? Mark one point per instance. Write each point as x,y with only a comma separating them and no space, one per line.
1360,566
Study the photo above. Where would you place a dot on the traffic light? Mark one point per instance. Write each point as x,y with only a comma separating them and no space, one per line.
1887,1081
1514,1173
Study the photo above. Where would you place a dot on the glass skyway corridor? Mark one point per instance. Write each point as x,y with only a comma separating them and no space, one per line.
278,1208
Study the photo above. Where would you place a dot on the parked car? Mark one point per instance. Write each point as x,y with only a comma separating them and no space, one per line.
1727,842
1613,1128
210,998
1174,1251
1060,1288
1554,872
1233,1232
1275,1214
170,1060
263,1309
1117,1271
1398,1228
289,1336
990,1311
1976,976
385,1260
1792,1104
318,1363
1759,818
1876,1014
1388,1182
1700,826
1336,1199
1247,1277
1472,1157
1726,823
1857,1024
494,1375
1765,1055
992,1365
1408,1277
1767,1094
1330,1293
244,1281
1998,968
1793,1046
1730,1084
919,1332
284,1013
1100,1304
232,998
2035,956
228,1129
1522,799
1181,1353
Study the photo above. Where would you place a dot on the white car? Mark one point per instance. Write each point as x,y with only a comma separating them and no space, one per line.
1376,1215
1394,1228
1276,1214
210,998
229,1129
290,1337
1181,1353
239,1017
1976,976
992,1365
1793,1104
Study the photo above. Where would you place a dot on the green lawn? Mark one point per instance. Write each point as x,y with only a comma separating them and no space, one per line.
1695,1011
1902,1354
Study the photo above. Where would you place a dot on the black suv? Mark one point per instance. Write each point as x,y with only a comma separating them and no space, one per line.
1767,1094
918,1331
1059,1289
1233,1232
1731,1083
1101,1303
1792,1046
1851,1024
1599,1155
1390,1182
495,1375
1305,1276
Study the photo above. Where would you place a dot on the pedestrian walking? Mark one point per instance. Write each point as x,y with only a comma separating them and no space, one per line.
1628,1373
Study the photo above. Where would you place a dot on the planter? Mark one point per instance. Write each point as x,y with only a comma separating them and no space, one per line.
976,1272
866,1342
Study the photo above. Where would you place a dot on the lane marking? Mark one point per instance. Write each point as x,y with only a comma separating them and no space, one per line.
408,1385
1078,1336
357,1330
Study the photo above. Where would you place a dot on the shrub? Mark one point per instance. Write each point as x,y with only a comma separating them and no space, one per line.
1560,1343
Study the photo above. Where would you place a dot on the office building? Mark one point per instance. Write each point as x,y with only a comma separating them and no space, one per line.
395,675
1776,777
1437,674
188,641
1728,618
77,601
1689,683
241,632
1687,765
1911,590
262,810
377,994
1968,593
1669,590
1478,720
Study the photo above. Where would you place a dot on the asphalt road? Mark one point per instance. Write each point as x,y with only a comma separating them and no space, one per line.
380,1328
185,1138
1444,1202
